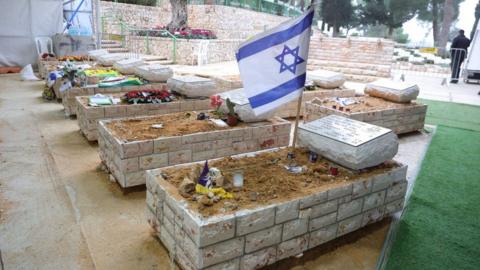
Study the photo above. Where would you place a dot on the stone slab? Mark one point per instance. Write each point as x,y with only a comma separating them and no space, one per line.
154,72
192,86
325,78
392,90
353,144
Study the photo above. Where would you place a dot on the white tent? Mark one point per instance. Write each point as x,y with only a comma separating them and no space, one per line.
23,20
473,61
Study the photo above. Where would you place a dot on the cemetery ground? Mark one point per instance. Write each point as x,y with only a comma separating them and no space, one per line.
58,211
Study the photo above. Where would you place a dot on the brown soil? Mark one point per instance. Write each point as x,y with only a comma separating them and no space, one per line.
366,104
174,124
266,175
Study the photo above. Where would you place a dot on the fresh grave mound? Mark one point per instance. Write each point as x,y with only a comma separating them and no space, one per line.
362,104
175,124
267,181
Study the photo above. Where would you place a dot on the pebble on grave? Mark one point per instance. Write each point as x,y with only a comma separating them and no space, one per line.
399,117
350,143
395,91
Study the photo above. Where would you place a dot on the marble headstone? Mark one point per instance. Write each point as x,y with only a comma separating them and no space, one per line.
392,90
192,86
350,143
127,66
242,106
325,78
154,73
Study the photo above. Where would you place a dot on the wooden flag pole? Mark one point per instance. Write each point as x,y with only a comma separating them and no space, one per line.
297,118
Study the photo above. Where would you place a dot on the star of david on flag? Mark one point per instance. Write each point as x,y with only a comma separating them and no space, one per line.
273,64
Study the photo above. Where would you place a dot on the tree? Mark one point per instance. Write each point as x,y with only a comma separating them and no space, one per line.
337,13
477,18
179,15
433,11
391,13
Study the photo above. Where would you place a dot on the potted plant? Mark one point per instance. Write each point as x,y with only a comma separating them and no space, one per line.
232,117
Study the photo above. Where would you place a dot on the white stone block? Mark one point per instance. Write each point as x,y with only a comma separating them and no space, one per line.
263,238
242,106
325,78
353,144
392,90
127,66
154,73
192,86
254,220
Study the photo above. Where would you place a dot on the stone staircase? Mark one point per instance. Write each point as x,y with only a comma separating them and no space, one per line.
359,59
113,46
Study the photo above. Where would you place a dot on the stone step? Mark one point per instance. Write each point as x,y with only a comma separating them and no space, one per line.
117,50
110,41
354,65
112,45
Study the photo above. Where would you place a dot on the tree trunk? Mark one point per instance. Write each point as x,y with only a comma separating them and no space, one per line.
446,24
435,23
179,15
390,32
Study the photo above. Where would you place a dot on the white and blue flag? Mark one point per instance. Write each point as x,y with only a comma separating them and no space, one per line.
273,64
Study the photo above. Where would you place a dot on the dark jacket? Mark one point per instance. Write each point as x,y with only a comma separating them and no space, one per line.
460,42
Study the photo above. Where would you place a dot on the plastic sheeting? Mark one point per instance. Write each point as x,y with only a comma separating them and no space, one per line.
473,62
23,20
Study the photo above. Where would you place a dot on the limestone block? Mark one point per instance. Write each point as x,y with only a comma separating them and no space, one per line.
263,238
94,54
207,232
323,221
259,259
326,79
108,60
127,66
292,247
392,90
192,86
254,220
322,235
242,106
353,144
154,73
286,211
294,228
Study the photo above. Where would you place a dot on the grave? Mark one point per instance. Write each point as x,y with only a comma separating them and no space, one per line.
301,211
350,143
244,110
192,86
130,146
402,92
89,116
69,96
399,117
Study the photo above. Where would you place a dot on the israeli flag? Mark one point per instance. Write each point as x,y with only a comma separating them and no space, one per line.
273,64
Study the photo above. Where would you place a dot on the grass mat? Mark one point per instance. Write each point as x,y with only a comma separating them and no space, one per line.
452,114
440,228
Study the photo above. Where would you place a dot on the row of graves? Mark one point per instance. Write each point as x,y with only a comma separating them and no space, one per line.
225,187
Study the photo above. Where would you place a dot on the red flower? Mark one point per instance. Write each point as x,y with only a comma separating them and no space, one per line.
215,101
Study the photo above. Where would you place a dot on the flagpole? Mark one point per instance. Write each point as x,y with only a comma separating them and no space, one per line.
297,118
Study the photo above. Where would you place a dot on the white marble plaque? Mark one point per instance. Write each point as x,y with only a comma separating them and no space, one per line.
345,130
236,96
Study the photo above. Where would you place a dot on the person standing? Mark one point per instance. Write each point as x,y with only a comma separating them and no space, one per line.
458,52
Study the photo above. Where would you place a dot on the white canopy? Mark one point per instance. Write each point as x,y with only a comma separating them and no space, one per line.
23,20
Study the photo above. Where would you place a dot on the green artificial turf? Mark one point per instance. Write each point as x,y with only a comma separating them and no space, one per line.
440,228
452,114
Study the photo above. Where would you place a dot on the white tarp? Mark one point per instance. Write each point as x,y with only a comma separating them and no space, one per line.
473,62
23,20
